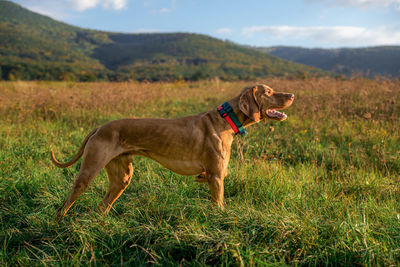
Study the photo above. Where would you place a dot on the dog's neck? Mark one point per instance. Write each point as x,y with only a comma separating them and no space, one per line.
246,121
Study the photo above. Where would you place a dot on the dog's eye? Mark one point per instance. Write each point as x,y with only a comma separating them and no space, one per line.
269,92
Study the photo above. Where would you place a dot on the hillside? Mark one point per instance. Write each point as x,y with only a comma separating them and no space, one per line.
35,47
371,61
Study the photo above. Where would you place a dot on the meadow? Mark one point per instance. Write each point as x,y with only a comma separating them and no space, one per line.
321,188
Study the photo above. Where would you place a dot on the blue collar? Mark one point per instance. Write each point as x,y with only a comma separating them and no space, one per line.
226,112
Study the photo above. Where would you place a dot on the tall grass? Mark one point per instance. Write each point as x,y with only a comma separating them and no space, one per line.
321,188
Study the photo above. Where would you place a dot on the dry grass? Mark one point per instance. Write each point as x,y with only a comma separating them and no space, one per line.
26,98
316,98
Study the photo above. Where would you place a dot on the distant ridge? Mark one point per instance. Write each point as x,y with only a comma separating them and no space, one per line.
370,62
36,47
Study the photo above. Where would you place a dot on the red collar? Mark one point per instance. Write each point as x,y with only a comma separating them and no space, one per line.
226,112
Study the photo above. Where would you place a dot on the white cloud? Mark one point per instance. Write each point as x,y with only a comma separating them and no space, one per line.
164,10
82,5
159,7
362,3
322,35
143,30
161,10
52,9
61,9
224,31
115,4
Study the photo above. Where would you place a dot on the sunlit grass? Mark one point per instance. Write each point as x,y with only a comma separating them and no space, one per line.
320,188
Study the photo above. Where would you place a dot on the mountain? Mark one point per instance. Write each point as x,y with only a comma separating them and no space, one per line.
370,62
34,46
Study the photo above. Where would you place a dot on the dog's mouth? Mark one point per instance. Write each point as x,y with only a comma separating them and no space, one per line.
274,114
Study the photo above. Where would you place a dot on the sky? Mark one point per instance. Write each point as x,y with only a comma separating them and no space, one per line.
306,23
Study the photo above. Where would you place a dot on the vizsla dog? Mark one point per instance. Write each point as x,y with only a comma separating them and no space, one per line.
195,145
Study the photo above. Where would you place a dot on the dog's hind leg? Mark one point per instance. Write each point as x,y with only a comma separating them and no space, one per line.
119,172
94,159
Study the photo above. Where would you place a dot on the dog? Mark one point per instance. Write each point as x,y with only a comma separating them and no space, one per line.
194,145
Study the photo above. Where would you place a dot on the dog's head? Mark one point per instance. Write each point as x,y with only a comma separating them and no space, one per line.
260,102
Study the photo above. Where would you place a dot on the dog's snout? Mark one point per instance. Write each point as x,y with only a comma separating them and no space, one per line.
291,96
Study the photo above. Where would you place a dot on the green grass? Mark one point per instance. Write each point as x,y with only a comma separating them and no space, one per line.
321,188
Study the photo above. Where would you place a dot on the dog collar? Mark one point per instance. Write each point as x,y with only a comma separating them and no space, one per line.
226,112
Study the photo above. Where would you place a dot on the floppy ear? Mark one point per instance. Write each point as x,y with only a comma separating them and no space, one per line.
249,105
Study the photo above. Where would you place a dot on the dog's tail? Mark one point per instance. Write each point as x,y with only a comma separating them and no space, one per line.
76,157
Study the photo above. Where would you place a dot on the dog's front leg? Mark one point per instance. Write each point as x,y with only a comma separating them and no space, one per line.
216,168
216,184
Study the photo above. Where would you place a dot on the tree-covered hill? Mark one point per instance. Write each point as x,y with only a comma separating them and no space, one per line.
34,46
370,61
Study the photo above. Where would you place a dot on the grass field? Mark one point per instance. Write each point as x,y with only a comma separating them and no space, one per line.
321,188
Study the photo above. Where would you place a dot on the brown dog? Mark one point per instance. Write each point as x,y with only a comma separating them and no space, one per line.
194,145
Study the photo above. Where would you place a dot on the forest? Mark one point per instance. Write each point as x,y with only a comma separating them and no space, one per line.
36,47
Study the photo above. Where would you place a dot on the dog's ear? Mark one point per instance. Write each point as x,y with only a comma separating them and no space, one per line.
249,105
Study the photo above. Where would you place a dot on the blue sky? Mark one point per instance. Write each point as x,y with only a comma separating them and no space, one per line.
307,23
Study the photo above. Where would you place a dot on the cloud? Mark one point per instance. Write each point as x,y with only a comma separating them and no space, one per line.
115,4
53,9
159,7
143,30
335,35
362,3
224,31
62,9
161,10
164,10
82,5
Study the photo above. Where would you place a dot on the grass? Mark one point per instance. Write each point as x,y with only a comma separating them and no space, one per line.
321,188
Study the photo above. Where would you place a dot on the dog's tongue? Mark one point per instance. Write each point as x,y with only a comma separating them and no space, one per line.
273,114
